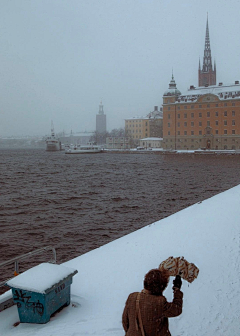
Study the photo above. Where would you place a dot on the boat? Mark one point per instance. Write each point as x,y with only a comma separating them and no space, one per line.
53,143
84,149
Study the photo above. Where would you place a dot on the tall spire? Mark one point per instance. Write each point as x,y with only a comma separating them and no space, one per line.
207,58
207,76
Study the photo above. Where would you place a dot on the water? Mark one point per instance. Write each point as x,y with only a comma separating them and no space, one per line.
77,203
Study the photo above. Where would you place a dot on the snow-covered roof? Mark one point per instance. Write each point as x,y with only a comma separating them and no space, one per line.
41,277
222,91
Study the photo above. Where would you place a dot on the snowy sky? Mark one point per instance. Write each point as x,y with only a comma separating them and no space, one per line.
60,58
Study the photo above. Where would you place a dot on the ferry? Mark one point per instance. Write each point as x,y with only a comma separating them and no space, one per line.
87,149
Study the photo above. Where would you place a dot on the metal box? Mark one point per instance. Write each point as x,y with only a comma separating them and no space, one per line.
36,303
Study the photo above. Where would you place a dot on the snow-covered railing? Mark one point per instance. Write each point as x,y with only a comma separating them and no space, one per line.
25,256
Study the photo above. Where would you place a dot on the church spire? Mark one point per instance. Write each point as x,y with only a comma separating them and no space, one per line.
207,76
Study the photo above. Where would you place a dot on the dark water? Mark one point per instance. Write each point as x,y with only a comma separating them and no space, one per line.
80,202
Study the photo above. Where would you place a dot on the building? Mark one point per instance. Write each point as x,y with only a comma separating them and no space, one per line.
118,142
207,75
144,127
207,117
151,143
101,121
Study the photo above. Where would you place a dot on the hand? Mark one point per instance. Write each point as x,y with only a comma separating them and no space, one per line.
177,282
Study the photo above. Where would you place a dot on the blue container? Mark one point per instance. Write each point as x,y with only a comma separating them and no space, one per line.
37,307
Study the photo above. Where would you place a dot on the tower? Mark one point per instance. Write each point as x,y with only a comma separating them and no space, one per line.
207,75
101,125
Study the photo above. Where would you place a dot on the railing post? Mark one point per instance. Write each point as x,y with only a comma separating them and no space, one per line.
16,272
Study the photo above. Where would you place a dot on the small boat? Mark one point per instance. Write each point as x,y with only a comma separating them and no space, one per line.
88,149
53,143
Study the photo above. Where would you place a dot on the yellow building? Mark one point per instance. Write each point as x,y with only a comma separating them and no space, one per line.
145,127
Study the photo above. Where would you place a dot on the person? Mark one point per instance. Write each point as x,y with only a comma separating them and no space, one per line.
146,313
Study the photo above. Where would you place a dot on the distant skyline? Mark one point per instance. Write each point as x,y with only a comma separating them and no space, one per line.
60,58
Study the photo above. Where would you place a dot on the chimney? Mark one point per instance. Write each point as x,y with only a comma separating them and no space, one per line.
155,108
236,82
192,87
220,84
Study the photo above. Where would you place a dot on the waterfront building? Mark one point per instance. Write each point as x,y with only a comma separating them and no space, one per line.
144,127
118,142
151,143
101,121
205,117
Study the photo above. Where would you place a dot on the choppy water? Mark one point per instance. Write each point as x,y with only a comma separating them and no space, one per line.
77,203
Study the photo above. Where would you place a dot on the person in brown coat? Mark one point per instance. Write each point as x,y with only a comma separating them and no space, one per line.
146,313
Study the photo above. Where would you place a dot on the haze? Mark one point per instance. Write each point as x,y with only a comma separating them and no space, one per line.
59,59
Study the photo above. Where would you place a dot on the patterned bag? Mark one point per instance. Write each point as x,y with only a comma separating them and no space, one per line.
174,266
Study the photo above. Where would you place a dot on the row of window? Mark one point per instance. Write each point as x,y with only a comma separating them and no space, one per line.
200,114
139,131
199,140
200,132
200,123
199,106
138,125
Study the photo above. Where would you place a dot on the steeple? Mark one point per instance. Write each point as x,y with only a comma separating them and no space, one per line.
207,76
101,108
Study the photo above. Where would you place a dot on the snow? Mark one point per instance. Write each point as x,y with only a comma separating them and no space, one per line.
207,234
41,278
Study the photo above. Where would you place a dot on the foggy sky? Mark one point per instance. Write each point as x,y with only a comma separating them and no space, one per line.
59,59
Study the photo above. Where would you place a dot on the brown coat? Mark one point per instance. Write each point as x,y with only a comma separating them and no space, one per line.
155,311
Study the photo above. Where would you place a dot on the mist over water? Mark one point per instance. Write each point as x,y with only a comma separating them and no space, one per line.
77,203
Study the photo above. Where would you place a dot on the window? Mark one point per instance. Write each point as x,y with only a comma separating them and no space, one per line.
216,114
192,106
178,116
192,140
233,131
216,122
192,115
225,104
200,106
225,113
185,107
225,147
169,116
208,114
169,108
200,114
233,122
192,123
233,104
185,124
200,132
185,132
216,105
208,105
225,122
185,115
192,132
185,139
225,131
200,123
208,123
178,124
233,147
146,123
169,124
168,132
178,133
216,131
178,107
233,113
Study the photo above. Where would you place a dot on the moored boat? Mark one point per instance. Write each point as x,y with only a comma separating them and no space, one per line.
53,143
88,149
